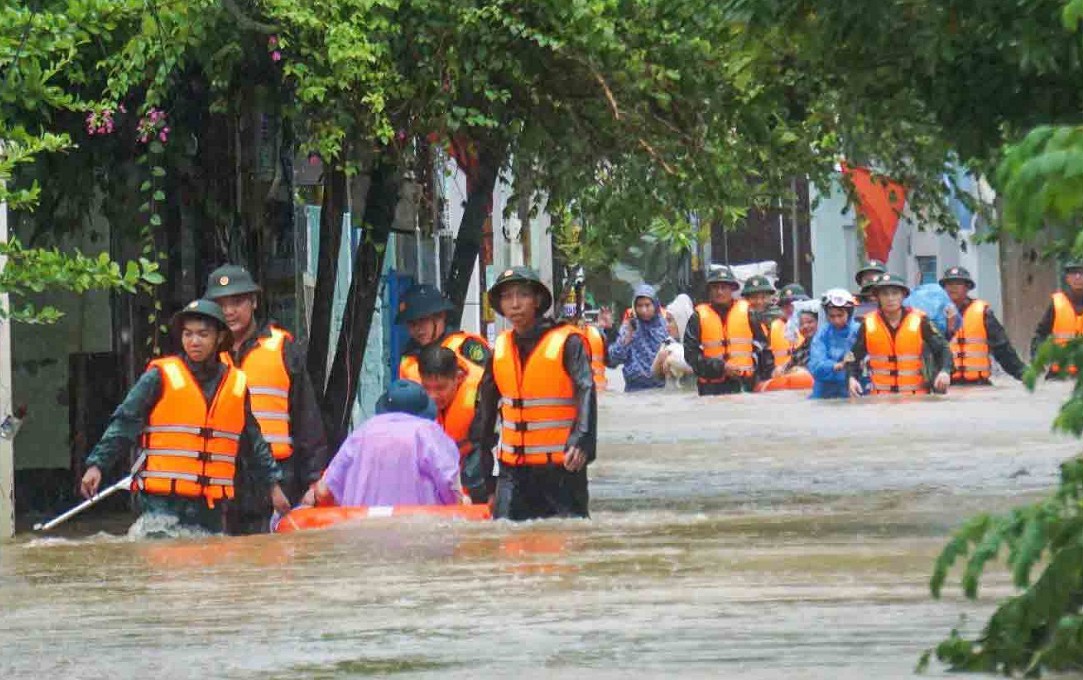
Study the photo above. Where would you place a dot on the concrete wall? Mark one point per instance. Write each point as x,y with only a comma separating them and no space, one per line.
40,361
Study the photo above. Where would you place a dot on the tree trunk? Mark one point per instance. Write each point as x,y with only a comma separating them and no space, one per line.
331,210
345,376
479,205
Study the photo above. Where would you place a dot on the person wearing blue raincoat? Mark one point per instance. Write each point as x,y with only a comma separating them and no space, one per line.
831,345
639,340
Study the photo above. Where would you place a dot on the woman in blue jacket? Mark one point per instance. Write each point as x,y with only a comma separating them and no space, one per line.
831,344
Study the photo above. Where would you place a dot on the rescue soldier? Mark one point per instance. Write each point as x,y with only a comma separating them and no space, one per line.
781,347
979,334
722,341
758,291
902,346
868,273
283,399
452,384
191,416
598,353
1063,321
540,381
424,311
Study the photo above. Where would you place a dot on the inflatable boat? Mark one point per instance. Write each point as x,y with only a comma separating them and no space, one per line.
799,379
319,518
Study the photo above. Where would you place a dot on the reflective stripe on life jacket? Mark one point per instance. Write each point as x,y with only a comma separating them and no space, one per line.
596,342
538,406
408,365
1067,325
269,387
731,340
895,361
459,414
781,347
191,447
970,346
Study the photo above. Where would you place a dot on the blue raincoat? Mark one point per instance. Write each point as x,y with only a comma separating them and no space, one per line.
638,356
829,346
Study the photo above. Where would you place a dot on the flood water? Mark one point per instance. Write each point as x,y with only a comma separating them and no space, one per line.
754,536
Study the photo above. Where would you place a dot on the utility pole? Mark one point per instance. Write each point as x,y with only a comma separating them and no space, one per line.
796,239
7,448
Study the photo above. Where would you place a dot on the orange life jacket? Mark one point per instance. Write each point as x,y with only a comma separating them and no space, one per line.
538,407
597,356
781,347
1067,325
191,447
459,414
895,361
970,345
269,387
730,339
408,366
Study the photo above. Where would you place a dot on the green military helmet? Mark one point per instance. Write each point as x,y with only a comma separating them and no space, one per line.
420,301
202,309
520,275
958,274
870,265
757,284
889,281
1073,265
229,279
722,274
792,292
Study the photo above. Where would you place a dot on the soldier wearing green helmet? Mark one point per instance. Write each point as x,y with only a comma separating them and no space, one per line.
976,335
423,310
724,341
906,354
1063,320
540,383
177,394
284,399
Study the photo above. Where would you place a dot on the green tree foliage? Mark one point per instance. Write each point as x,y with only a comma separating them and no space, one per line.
39,77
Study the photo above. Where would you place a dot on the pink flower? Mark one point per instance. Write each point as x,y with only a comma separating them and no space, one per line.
143,139
276,56
163,136
272,41
123,109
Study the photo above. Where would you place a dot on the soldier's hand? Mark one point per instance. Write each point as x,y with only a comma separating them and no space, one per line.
309,499
92,479
574,459
855,388
943,380
279,501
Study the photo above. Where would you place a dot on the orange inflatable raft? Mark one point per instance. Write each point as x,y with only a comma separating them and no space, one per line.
799,379
319,518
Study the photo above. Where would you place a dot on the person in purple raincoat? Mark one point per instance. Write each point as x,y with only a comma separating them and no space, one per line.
398,457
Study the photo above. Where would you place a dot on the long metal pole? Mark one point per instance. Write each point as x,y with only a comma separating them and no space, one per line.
122,484
7,447
796,238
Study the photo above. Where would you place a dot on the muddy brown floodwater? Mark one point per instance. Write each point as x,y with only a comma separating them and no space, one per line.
754,536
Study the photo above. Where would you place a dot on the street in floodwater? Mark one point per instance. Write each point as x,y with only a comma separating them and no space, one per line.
753,536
